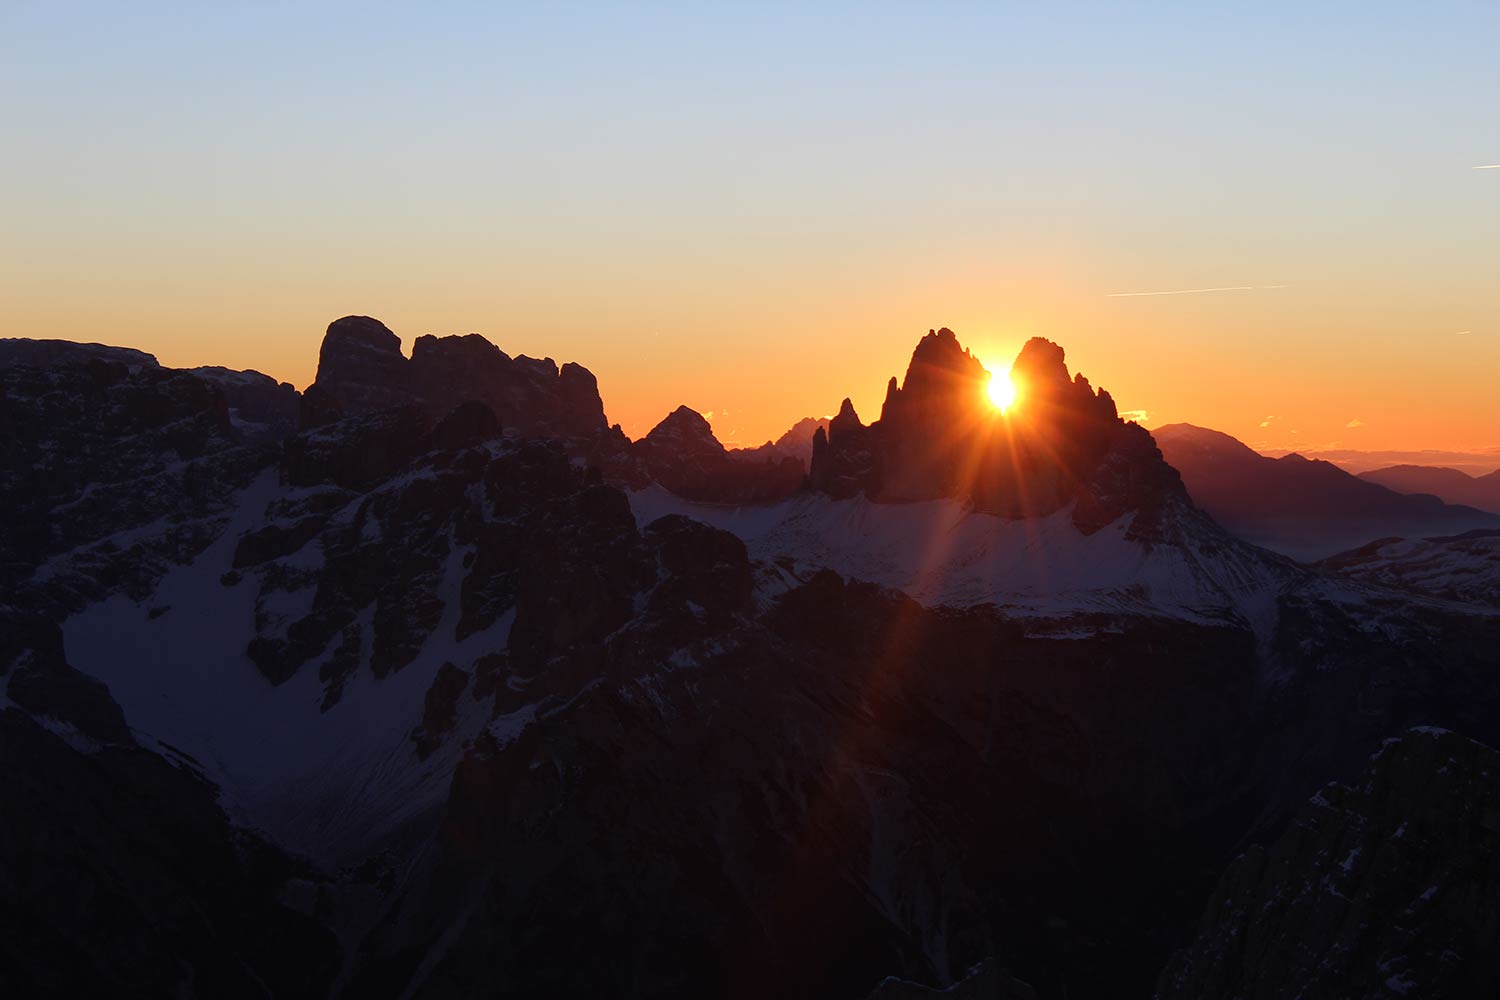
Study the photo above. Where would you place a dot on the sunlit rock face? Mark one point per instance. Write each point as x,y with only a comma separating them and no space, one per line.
939,436
361,368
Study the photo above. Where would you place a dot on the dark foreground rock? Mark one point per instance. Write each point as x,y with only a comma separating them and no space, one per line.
122,877
1388,887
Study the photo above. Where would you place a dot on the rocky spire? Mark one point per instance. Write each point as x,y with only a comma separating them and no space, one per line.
939,436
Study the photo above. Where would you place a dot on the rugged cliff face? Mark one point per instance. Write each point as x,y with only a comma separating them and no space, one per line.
1389,886
939,436
361,369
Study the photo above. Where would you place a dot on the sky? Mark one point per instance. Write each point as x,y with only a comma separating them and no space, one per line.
757,210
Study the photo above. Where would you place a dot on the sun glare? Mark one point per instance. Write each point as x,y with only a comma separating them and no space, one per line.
1002,391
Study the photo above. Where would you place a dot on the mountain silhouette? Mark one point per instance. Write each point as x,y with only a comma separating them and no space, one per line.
938,435
1451,485
1303,508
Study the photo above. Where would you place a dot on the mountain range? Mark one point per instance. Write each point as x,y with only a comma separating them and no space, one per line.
1304,508
427,681
1450,485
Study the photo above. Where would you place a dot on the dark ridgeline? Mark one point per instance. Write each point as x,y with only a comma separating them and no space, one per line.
645,759
1449,485
1304,508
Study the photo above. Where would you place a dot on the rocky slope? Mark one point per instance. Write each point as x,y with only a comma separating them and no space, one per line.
1461,568
1388,887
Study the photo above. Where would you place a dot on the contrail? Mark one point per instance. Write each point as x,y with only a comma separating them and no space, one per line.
1192,291
1487,166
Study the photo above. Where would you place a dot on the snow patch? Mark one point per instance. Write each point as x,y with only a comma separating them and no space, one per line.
331,785
942,552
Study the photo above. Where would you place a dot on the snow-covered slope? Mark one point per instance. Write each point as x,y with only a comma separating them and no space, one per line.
327,784
943,552
1463,568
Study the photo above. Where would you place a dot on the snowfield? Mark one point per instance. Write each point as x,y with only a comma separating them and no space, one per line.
330,785
942,552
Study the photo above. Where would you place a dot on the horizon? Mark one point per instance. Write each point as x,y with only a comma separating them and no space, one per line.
755,214
1473,461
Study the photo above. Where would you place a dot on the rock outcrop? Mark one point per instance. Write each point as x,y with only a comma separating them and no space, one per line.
844,459
260,408
1388,887
361,369
938,436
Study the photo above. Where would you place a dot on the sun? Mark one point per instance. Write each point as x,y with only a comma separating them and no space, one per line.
1002,391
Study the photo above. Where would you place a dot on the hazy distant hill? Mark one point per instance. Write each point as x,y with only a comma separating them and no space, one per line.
1451,485
795,443
1477,462
1303,508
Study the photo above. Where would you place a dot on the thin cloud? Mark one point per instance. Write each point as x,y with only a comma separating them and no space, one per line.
1463,333
1192,291
1356,422
1267,422
1139,416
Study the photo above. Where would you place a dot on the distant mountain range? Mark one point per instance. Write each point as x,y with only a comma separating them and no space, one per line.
1301,507
1475,462
1451,485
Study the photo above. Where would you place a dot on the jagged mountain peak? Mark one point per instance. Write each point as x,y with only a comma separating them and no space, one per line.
941,349
939,436
846,417
1040,364
942,377
687,429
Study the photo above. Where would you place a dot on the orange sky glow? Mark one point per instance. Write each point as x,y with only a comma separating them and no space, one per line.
1277,231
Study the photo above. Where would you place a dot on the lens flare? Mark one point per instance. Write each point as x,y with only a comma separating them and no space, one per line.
1002,391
